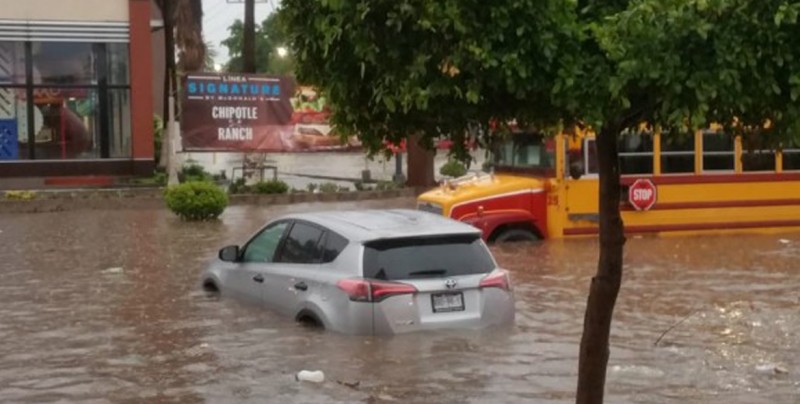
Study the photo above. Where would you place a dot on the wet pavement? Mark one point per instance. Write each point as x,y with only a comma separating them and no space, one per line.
105,306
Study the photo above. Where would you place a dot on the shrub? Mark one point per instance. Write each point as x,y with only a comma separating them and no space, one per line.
196,200
271,187
360,186
193,172
453,168
386,186
311,187
328,187
20,195
238,187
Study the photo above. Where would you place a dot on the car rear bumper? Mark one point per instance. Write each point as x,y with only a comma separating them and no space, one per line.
412,313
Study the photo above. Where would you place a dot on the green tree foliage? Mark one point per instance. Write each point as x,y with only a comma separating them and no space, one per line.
393,68
270,36
453,168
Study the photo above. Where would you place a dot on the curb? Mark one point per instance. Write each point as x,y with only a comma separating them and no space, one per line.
152,198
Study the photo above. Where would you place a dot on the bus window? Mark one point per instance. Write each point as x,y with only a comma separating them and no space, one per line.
791,157
718,152
635,153
758,160
590,155
525,151
756,157
677,154
577,159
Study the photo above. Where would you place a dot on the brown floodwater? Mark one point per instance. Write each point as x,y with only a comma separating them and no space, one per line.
105,306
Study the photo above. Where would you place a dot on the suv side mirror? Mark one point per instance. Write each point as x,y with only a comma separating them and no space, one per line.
229,253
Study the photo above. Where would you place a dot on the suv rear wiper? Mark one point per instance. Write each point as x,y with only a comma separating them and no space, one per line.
428,272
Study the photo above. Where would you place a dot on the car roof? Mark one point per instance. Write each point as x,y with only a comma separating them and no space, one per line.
374,224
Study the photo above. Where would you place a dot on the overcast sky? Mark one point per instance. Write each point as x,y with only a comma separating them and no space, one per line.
218,15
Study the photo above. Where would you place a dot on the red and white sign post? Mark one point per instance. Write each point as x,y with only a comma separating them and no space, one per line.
642,194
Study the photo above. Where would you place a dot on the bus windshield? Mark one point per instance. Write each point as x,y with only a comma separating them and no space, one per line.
525,152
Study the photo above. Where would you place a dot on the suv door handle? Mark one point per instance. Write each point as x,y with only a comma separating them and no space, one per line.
259,278
301,286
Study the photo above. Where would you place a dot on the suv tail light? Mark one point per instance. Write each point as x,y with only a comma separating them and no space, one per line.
496,279
362,290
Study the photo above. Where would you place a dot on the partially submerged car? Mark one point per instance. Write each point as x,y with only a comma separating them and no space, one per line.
369,272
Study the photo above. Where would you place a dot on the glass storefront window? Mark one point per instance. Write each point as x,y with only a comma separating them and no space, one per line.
80,105
119,111
14,124
117,65
71,63
71,124
12,64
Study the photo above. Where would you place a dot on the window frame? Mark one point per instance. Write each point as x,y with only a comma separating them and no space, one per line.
792,151
279,251
663,153
100,84
651,153
704,153
255,236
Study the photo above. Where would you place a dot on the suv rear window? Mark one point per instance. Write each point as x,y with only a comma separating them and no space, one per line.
413,258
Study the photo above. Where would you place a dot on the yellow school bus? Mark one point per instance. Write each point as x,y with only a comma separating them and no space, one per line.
542,187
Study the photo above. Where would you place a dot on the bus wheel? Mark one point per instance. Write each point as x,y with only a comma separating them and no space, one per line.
515,235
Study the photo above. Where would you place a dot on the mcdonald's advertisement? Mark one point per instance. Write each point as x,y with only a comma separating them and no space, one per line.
255,113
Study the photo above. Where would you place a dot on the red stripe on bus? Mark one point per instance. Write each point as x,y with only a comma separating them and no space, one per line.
689,227
713,178
716,204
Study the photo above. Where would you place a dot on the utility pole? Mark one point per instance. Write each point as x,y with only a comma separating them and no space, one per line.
249,45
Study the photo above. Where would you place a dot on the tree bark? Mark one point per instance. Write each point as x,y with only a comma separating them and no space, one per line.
605,285
249,40
167,15
420,164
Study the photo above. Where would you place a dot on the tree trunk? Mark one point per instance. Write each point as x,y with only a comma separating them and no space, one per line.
249,40
167,14
420,164
606,283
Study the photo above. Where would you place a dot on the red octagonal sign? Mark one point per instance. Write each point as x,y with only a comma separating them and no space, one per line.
642,194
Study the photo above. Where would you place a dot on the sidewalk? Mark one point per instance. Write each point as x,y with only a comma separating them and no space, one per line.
301,169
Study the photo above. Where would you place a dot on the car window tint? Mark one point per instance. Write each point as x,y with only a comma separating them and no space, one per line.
262,247
302,245
412,258
334,244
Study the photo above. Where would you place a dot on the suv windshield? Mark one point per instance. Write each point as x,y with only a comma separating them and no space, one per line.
413,258
525,151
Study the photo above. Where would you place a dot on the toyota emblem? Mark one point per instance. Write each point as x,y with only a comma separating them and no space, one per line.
450,283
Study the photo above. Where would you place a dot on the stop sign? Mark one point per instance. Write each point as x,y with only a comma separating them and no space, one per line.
642,194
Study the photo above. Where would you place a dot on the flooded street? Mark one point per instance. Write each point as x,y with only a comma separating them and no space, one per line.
105,306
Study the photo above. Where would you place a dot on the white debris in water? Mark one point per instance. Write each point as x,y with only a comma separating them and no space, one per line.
771,368
314,376
113,270
784,241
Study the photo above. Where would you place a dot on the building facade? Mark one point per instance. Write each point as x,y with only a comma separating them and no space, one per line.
76,88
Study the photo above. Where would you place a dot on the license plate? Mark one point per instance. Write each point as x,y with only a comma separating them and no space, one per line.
445,302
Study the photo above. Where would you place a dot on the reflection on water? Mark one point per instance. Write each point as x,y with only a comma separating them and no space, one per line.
105,306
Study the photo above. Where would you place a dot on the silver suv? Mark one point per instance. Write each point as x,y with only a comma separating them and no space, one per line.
369,272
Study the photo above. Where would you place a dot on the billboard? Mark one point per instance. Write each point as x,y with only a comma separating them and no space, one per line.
254,113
